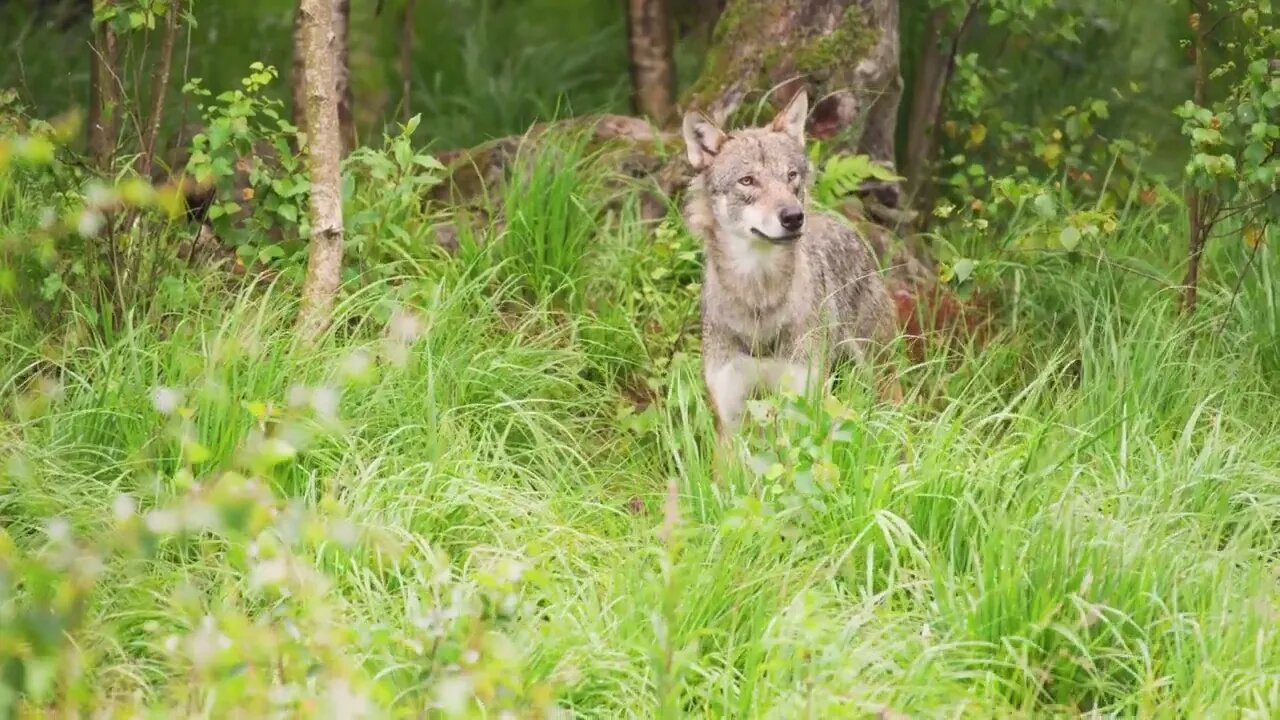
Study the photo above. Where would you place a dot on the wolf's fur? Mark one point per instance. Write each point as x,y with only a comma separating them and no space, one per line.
779,304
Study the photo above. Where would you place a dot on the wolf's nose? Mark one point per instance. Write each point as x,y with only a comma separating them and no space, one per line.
792,219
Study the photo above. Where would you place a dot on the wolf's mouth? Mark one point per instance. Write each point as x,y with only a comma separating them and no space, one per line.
778,240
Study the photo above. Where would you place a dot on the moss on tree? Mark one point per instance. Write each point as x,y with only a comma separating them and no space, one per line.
757,44
824,56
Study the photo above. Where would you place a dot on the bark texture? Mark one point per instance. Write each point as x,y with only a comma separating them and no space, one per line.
844,51
696,18
340,10
406,61
317,19
342,75
104,92
653,74
928,98
298,78
159,91
926,103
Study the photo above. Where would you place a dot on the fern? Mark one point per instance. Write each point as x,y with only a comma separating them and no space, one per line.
842,175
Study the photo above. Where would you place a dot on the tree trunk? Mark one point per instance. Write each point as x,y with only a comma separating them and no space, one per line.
926,102
104,92
406,61
298,78
844,51
928,99
342,76
159,91
1197,227
653,76
341,13
320,52
696,18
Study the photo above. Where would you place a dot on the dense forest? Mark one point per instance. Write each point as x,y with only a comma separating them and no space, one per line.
352,360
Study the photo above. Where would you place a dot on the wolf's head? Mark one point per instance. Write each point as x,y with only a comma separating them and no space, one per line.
753,181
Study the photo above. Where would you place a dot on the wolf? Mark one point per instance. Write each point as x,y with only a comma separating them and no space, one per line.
786,290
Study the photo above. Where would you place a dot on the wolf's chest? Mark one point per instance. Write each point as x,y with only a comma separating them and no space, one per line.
766,311
765,331
763,336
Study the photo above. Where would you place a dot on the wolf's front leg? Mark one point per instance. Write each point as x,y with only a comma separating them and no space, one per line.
730,381
798,376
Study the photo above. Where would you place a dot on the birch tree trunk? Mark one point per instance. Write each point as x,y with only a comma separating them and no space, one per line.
653,75
341,13
317,22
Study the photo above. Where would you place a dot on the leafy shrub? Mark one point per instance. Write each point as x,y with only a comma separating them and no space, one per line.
246,155
252,623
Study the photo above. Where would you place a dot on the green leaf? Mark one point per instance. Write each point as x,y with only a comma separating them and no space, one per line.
1070,238
195,453
428,162
804,483
219,134
1256,153
844,174
1045,206
1206,136
51,286
963,268
270,252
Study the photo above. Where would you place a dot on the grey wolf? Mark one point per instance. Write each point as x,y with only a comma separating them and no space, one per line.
786,290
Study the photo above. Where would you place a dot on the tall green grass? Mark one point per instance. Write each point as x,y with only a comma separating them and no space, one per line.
1085,519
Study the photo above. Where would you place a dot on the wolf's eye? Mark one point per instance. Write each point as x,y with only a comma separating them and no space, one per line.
792,175
746,181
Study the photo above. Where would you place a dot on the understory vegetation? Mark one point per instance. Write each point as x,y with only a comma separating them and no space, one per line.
487,489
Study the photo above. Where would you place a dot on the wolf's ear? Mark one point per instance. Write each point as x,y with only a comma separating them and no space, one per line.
702,139
792,118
